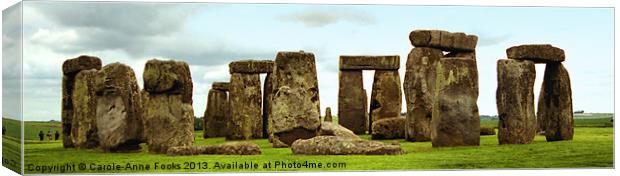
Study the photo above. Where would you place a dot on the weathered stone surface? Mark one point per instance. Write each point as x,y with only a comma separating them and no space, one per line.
168,77
539,53
332,129
168,121
515,101
217,114
386,97
119,108
419,86
352,101
229,148
336,145
555,104
455,120
295,110
246,120
328,115
83,62
484,131
220,86
84,126
391,62
251,66
390,128
268,87
293,120
443,40
70,68
465,54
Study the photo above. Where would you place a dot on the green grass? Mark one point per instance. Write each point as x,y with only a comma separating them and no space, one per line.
11,146
591,147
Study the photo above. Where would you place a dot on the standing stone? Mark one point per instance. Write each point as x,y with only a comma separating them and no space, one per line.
419,86
217,114
169,122
386,97
168,77
455,120
70,69
119,108
328,115
168,117
268,86
245,107
555,103
295,110
352,101
515,101
84,131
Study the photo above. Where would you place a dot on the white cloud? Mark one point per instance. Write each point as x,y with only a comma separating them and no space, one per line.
325,16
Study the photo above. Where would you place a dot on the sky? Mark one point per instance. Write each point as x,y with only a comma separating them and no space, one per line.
210,35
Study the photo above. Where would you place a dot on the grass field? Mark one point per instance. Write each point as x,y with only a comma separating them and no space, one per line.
11,147
592,147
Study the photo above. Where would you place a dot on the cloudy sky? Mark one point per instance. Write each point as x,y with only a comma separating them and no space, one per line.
209,36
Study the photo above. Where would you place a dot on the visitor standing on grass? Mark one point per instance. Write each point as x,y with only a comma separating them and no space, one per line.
41,135
56,135
49,135
3,130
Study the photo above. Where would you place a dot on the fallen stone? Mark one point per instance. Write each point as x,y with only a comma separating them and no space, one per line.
419,86
224,86
119,109
390,128
352,101
332,129
443,40
84,126
217,114
246,120
328,115
391,62
540,53
555,104
229,148
295,110
484,131
251,66
336,145
455,120
386,97
515,101
70,68
168,77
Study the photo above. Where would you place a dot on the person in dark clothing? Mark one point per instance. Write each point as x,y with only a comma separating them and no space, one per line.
3,130
41,135
56,135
